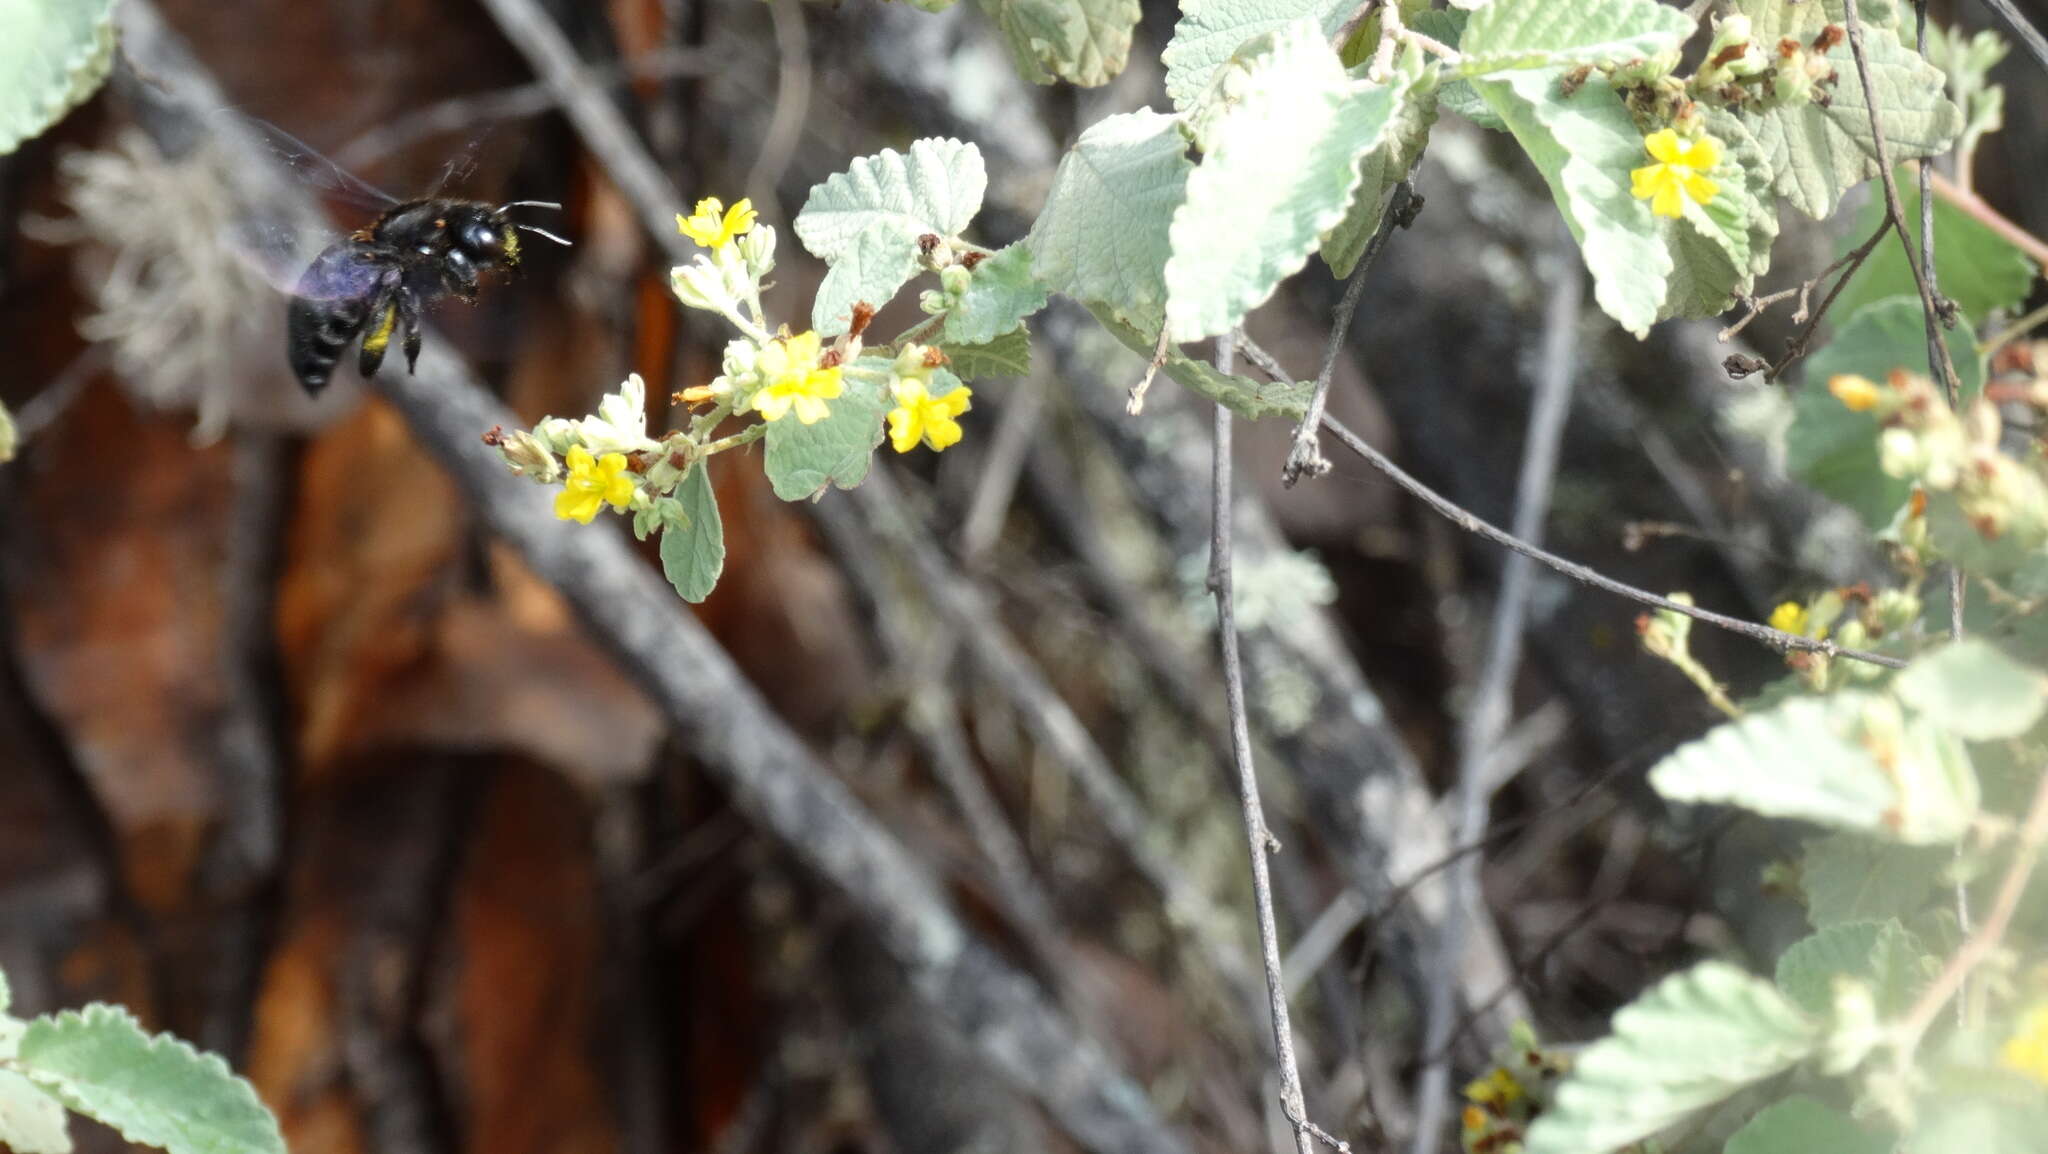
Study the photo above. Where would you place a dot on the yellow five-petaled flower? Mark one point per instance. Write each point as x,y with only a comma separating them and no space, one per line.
593,483
919,416
713,225
792,379
1676,175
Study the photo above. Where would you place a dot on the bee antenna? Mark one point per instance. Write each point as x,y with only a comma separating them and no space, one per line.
530,204
538,231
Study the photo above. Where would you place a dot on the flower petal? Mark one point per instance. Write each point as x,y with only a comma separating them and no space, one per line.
1703,153
1643,181
956,402
1699,187
941,432
1668,201
574,505
905,430
772,405
810,410
1663,144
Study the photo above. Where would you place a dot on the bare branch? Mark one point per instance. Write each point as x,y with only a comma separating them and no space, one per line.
2027,33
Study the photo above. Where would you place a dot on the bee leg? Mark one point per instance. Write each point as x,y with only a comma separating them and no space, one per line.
383,319
409,316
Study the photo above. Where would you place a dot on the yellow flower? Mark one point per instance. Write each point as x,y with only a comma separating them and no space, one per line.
1857,394
1498,1088
1676,175
919,416
2027,1049
1789,617
593,483
713,225
792,379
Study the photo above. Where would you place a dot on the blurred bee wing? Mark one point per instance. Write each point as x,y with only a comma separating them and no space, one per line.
310,166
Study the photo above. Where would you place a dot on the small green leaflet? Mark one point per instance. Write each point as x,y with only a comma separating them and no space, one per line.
1211,32
693,546
1736,1029
1102,236
1835,450
1282,163
998,298
1884,956
1008,355
54,56
1975,691
870,217
802,460
1812,758
1978,269
1847,877
1245,397
1509,34
1801,1125
156,1091
1083,42
1586,145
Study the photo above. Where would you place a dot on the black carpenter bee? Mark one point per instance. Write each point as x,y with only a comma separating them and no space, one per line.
381,277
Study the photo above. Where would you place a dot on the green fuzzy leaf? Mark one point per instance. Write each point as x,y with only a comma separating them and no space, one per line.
1382,169
1546,34
870,217
1245,397
1210,32
1834,449
693,548
1849,878
1882,955
1811,758
1455,94
1282,163
1801,1125
1692,1040
1819,153
55,55
31,1121
1977,268
1102,236
1083,42
1975,691
1585,145
157,1091
1008,355
9,439
802,460
998,298
1773,20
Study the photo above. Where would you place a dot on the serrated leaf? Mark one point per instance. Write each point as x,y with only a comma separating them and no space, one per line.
1280,170
8,440
1735,1029
1801,1125
693,550
1210,32
1084,42
1773,20
158,1091
1102,236
1383,168
1001,293
1835,450
1247,398
31,1121
1720,247
1976,268
1819,153
1546,34
1008,355
870,217
55,55
1454,93
803,460
1972,689
1884,956
870,271
1585,145
1850,878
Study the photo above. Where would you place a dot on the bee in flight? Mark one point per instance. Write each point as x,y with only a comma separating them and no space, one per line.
381,277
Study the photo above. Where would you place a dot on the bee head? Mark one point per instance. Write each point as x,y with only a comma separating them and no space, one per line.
482,237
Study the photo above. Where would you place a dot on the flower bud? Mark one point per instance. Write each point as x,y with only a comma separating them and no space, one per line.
1899,453
954,279
757,251
526,456
700,285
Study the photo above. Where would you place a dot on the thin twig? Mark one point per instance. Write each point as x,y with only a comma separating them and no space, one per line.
1804,289
1259,838
1848,263
2014,331
792,100
1976,209
1981,944
1305,455
1487,714
1136,403
1472,523
2028,34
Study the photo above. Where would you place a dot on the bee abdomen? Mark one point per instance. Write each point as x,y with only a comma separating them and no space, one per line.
329,310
